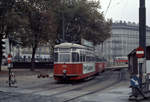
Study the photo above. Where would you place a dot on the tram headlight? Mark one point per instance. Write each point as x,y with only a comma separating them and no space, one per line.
64,71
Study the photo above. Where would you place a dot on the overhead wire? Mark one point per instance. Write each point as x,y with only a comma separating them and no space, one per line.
108,7
118,3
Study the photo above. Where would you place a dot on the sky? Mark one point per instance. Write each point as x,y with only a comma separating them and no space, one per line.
126,10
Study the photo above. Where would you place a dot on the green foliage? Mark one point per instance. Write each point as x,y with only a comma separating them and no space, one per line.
30,21
41,21
38,22
82,19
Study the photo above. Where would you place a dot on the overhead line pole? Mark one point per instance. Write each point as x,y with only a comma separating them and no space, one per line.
142,24
142,34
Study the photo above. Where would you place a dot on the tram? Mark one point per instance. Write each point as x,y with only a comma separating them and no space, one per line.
123,59
75,62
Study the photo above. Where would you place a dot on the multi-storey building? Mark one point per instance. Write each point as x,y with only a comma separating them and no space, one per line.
124,38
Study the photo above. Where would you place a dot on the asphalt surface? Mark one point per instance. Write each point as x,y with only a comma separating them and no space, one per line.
110,86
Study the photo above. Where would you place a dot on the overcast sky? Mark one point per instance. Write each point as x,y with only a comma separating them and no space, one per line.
127,10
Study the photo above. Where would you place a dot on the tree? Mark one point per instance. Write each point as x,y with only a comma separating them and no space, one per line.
41,28
36,22
7,26
81,19
29,21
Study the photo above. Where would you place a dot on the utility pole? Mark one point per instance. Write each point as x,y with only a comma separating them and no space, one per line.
63,28
140,86
63,23
142,24
142,35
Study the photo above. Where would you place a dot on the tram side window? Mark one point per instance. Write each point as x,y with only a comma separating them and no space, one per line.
89,59
93,59
82,58
55,57
75,57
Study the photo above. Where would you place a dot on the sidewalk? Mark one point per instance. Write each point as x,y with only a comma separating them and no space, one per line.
117,93
24,72
24,77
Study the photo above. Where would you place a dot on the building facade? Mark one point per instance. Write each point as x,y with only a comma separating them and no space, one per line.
42,53
124,38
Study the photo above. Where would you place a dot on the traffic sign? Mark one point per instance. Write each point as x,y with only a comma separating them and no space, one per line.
10,65
134,81
141,60
140,52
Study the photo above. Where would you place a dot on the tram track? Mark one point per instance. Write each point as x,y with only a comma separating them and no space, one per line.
75,87
64,85
12,95
97,81
120,78
89,93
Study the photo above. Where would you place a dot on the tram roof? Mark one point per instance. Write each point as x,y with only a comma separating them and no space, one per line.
69,45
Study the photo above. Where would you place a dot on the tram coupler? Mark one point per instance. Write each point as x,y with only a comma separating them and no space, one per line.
64,76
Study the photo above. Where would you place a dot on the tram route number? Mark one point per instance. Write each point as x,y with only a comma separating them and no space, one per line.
88,67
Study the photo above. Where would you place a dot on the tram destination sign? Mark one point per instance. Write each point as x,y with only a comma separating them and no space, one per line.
140,52
87,43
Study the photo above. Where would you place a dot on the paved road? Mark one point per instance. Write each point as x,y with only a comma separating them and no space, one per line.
110,86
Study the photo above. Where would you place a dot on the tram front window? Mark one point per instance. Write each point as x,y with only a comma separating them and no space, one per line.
64,57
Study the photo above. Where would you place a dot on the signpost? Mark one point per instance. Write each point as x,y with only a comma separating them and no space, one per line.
134,81
11,79
140,56
9,68
139,52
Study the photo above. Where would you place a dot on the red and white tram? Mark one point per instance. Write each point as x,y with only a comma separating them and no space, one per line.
75,62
